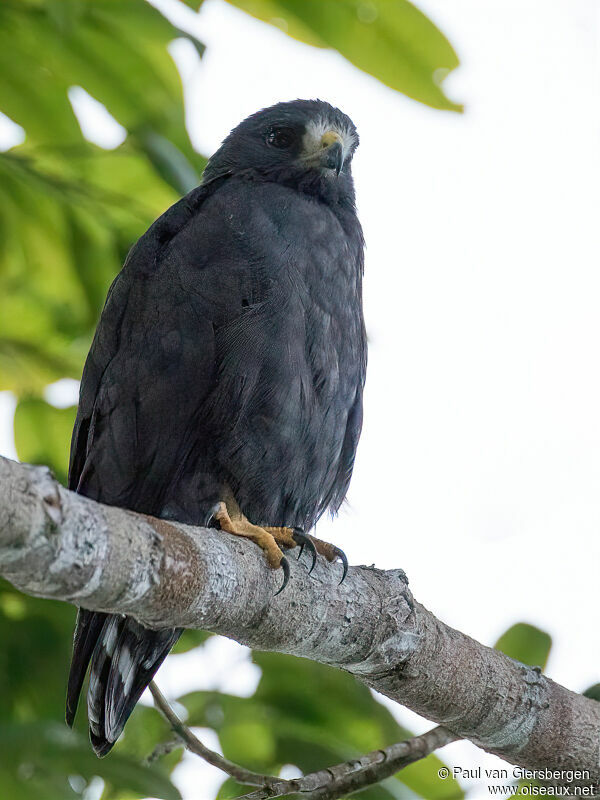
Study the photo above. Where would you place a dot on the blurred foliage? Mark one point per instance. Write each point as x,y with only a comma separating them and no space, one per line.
311,716
41,431
70,210
390,39
527,644
38,753
593,692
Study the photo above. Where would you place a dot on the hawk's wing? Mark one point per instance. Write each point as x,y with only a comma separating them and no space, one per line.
151,366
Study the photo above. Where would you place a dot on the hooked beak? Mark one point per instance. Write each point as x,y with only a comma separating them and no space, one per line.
332,152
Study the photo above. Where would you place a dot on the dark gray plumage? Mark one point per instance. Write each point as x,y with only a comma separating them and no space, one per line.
230,354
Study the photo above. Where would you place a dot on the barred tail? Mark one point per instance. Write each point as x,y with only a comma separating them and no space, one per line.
124,658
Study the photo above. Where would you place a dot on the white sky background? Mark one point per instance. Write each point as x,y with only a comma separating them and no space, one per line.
481,442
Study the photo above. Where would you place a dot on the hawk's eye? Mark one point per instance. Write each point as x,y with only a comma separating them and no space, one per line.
282,138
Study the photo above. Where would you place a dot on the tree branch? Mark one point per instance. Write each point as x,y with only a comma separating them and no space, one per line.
352,776
57,544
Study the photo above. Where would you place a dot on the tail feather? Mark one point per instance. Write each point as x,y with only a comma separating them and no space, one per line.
99,672
87,631
139,652
124,658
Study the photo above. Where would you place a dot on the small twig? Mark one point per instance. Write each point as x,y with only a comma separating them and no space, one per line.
393,759
194,745
352,776
163,749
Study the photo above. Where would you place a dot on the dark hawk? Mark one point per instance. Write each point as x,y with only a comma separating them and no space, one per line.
224,383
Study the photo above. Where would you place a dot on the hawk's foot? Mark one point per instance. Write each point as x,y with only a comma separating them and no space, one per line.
273,539
269,539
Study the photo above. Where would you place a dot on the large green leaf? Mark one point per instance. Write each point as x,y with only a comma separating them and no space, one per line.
390,39
526,643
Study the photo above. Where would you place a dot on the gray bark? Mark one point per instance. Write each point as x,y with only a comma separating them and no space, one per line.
57,544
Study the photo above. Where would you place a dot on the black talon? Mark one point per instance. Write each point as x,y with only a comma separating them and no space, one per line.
342,556
302,539
286,575
298,536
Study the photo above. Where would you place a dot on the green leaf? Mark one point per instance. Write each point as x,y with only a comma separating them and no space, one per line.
249,740
390,39
231,789
526,643
423,778
593,692
145,729
43,434
189,640
29,92
169,162
195,4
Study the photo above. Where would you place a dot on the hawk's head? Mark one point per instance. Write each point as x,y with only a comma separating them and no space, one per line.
307,143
